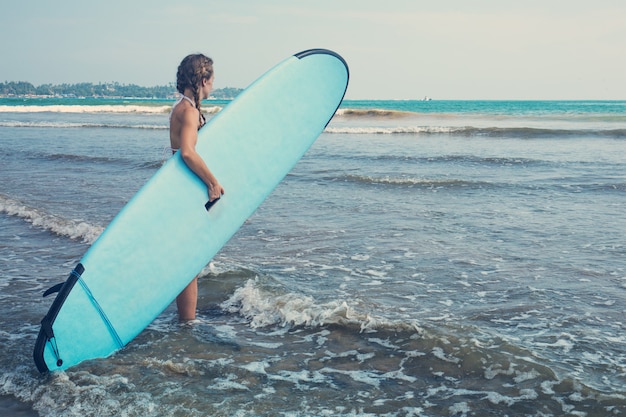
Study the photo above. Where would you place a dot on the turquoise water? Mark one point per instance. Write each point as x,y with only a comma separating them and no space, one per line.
512,107
423,258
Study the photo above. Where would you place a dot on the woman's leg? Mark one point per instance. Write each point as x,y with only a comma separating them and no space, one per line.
187,301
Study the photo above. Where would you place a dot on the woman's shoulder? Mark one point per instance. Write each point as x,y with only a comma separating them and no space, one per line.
185,112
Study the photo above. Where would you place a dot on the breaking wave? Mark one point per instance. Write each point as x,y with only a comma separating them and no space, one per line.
74,125
73,229
470,131
98,109
262,308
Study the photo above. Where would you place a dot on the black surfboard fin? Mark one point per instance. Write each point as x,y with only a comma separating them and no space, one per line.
54,289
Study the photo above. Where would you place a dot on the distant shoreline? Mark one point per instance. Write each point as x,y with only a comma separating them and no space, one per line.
23,89
104,98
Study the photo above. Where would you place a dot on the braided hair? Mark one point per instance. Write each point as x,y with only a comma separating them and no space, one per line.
192,70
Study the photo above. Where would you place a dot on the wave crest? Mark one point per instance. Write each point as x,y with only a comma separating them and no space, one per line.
73,229
414,182
358,113
471,131
71,125
263,308
105,108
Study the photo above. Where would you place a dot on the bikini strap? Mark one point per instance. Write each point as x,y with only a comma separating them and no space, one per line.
180,99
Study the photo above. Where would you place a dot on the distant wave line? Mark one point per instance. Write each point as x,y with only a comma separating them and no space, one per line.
109,108
471,159
411,181
71,125
348,112
72,158
454,183
515,132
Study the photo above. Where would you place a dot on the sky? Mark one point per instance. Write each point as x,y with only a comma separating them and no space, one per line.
396,49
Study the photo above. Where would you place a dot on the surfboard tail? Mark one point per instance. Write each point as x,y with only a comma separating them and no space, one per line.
46,336
54,351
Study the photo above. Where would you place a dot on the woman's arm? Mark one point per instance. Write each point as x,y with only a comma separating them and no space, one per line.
188,140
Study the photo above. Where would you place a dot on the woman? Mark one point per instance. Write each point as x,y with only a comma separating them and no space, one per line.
194,82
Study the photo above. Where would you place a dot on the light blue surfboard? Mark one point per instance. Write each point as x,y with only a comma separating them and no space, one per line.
165,235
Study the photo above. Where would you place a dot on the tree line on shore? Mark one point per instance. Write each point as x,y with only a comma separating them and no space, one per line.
23,88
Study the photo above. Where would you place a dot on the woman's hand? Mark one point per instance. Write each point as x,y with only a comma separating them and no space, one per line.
215,191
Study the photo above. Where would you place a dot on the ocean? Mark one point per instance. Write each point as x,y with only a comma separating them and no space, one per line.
424,258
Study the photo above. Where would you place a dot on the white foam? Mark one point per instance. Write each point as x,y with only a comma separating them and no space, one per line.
228,384
79,394
375,273
440,354
526,376
459,408
412,130
566,345
130,108
384,343
365,377
267,345
297,377
225,331
256,367
73,125
73,229
186,367
264,308
85,109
